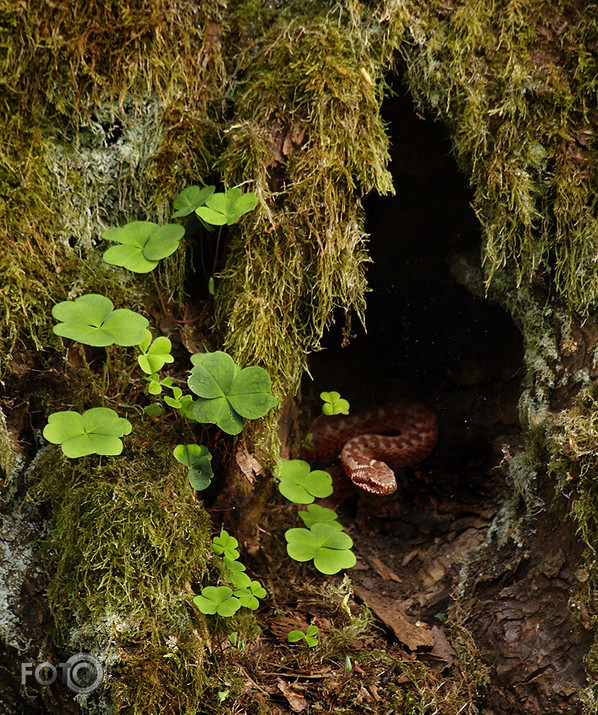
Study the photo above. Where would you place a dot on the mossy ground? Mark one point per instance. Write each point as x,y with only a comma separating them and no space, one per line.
108,110
127,542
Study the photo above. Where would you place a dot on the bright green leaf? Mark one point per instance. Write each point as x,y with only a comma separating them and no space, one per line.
328,547
96,431
295,636
213,374
316,514
217,599
226,208
233,565
308,636
154,387
225,545
239,579
190,199
227,393
250,595
142,244
250,394
156,355
154,410
92,320
186,406
145,343
300,485
198,459
334,404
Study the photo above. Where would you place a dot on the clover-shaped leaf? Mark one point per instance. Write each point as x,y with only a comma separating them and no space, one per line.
197,458
235,573
155,386
154,355
96,431
154,410
328,547
190,199
185,406
142,244
92,320
178,402
249,596
225,545
227,207
334,404
228,395
217,599
309,636
239,579
320,515
300,485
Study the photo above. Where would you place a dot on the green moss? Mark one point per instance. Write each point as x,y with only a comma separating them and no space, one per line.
515,84
9,457
308,139
106,111
127,542
572,443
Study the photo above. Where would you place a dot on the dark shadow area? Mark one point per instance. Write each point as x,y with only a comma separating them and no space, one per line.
431,334
433,337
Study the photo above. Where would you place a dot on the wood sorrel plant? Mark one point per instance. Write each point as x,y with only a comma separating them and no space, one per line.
226,394
323,540
223,393
223,600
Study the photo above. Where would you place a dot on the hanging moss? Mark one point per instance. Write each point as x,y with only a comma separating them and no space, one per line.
517,85
308,139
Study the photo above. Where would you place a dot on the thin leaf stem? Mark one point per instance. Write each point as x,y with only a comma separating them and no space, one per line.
166,312
217,250
106,373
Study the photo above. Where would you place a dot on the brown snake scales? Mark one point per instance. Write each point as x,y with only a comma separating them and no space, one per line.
401,433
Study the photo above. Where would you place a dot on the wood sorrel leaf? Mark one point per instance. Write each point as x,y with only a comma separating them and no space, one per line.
227,393
96,431
142,244
92,320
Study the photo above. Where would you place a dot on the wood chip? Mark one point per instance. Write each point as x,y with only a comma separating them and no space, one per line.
248,464
296,702
389,612
408,558
382,569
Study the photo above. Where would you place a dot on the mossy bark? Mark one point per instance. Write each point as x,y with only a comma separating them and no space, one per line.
108,111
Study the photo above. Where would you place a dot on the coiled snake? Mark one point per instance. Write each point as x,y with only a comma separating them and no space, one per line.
402,433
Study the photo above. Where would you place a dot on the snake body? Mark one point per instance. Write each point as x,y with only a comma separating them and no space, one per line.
401,434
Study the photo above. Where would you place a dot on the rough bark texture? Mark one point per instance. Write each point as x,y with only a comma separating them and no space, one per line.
522,622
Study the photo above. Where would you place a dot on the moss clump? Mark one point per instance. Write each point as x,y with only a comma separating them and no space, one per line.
106,111
572,443
308,139
127,542
517,88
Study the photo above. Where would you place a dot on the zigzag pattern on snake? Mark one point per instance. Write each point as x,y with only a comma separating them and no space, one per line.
402,433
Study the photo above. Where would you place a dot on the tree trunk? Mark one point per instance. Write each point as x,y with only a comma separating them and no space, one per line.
480,286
